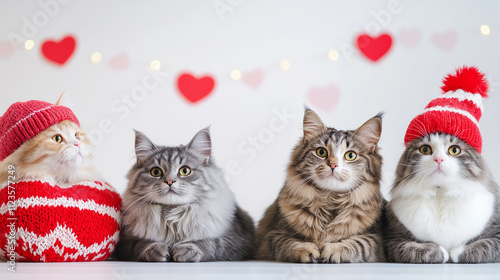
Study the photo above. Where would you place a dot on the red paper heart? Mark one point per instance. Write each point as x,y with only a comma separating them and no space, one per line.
374,48
59,52
195,89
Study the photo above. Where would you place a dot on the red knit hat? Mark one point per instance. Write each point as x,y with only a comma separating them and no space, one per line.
24,120
457,111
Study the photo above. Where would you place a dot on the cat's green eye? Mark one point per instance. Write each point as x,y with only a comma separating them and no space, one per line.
425,150
322,152
156,172
350,156
184,171
57,138
454,151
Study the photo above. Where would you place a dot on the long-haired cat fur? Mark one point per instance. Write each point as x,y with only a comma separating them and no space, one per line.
330,205
178,207
445,205
60,154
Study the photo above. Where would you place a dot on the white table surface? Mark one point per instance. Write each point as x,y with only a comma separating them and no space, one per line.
246,270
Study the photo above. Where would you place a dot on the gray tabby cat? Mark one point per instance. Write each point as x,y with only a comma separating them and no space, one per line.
445,205
451,216
178,207
329,208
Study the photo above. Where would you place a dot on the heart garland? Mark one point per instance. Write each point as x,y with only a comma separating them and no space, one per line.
59,52
195,89
119,62
374,48
253,78
326,98
445,40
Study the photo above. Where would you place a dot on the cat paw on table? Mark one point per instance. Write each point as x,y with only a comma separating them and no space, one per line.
338,252
306,252
157,252
187,252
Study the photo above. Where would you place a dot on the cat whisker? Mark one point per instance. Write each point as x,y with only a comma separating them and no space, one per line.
148,199
146,196
292,189
407,165
413,180
301,182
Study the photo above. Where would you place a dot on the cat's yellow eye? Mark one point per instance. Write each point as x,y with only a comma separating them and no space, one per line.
425,150
57,138
322,152
350,156
184,171
454,150
77,136
156,172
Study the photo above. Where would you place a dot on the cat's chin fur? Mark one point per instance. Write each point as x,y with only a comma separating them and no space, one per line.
447,211
335,185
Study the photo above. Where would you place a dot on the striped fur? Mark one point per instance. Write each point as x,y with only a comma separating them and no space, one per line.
324,214
62,164
450,214
194,219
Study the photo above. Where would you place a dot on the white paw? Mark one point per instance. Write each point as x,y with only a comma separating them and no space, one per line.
456,252
445,253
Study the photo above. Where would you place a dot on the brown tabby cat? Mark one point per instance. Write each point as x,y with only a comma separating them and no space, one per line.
329,208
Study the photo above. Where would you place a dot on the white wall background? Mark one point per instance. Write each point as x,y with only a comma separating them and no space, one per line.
193,36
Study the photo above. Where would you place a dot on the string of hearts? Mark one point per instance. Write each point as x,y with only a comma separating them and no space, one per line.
195,89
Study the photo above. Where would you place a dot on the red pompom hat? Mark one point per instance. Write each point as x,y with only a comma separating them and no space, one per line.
24,120
457,111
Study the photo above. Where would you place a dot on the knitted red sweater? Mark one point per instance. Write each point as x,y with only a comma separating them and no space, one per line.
54,224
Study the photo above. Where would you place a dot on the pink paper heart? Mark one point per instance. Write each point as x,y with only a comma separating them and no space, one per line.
6,50
253,78
445,40
326,98
119,62
410,37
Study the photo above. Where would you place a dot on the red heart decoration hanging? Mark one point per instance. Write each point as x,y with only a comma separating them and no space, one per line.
59,52
195,89
374,48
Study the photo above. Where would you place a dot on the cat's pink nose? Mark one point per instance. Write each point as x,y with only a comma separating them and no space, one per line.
333,166
170,182
77,144
438,160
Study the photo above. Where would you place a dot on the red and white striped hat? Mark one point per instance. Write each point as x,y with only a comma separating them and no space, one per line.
457,111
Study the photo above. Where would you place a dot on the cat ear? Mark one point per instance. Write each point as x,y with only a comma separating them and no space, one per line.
201,145
369,133
65,101
312,125
144,148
